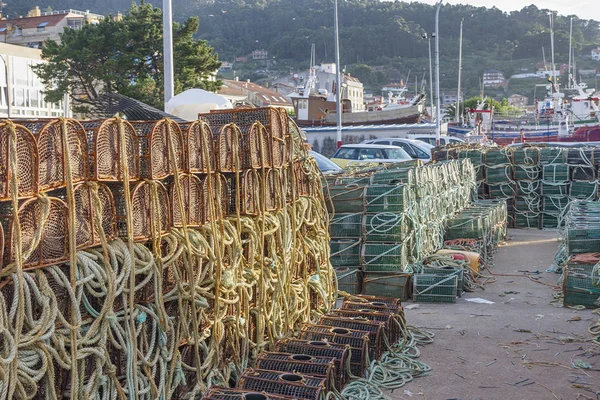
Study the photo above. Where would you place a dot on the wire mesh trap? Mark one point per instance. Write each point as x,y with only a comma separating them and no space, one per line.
323,367
287,384
26,157
376,331
225,393
105,139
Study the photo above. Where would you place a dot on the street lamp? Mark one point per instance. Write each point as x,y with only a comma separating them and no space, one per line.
437,74
169,84
338,89
424,36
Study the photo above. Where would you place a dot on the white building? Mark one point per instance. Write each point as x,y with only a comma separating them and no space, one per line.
260,54
493,78
596,54
37,27
450,97
23,87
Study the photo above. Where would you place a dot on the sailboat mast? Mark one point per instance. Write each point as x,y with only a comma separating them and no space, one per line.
552,45
569,76
457,108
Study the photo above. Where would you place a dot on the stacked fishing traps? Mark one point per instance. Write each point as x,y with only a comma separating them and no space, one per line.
151,259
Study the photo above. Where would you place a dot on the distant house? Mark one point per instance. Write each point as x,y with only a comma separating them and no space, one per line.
38,27
450,97
493,78
226,66
241,59
260,54
596,54
257,95
518,100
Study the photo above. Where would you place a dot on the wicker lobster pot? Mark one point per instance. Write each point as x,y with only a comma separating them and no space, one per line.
145,214
339,352
154,140
225,393
27,162
299,363
282,383
302,175
245,149
193,201
357,340
104,140
375,329
389,319
273,190
249,192
49,138
49,216
218,195
196,135
274,120
85,212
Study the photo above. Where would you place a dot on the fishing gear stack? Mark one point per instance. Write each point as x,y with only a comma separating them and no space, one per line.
154,259
538,182
385,222
579,256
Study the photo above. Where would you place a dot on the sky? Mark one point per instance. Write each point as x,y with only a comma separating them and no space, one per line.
586,9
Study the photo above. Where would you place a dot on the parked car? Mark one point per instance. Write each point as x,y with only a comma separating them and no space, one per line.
367,153
432,141
325,164
416,149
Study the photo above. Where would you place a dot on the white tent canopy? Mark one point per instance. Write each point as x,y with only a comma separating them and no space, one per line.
187,105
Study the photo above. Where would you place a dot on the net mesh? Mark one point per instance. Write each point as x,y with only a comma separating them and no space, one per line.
27,158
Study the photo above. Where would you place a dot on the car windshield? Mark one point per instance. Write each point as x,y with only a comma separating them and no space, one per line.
325,164
346,153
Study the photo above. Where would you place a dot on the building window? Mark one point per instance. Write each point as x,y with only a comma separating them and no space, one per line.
42,27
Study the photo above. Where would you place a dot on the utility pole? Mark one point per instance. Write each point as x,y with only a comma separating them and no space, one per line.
437,74
169,83
338,79
430,79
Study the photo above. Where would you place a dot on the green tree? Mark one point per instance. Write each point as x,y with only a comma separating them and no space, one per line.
125,57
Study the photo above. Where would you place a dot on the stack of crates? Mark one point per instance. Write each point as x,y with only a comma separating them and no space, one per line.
345,202
555,186
584,173
527,175
386,232
581,285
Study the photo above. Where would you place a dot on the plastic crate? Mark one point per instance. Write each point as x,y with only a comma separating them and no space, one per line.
386,198
345,252
396,285
346,226
349,280
527,172
345,198
438,288
385,227
384,257
583,190
459,272
581,289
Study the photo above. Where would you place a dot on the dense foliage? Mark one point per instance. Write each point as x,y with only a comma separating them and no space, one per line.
125,57
386,34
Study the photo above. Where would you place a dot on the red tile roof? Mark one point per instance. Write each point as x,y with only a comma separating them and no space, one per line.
268,96
33,22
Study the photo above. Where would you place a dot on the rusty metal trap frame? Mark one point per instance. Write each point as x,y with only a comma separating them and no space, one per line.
104,145
357,340
151,211
198,140
390,320
194,201
376,330
372,305
27,161
323,367
318,348
283,383
158,142
260,128
225,393
52,157
44,231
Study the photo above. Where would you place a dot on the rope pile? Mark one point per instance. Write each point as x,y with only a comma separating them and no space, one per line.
537,181
152,260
